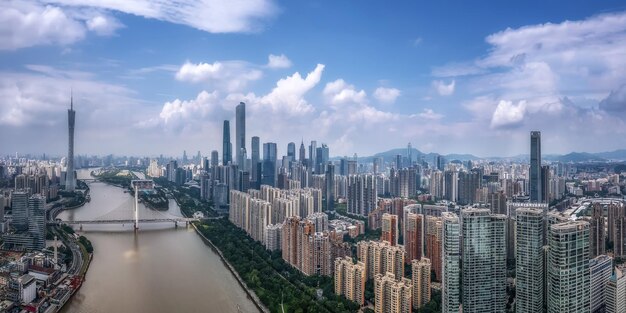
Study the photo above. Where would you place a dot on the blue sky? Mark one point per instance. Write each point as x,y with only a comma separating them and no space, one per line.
363,77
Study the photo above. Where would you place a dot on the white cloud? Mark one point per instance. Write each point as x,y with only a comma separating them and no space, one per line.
417,41
278,61
26,24
340,92
288,95
508,114
229,75
177,114
214,16
104,25
444,89
386,95
429,114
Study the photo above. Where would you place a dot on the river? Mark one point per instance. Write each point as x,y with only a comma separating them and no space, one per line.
160,269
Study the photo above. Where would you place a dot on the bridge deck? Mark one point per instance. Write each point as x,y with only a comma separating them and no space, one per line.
131,221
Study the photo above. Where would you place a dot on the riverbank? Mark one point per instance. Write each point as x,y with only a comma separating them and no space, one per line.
255,299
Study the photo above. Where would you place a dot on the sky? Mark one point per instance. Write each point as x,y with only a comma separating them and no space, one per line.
160,77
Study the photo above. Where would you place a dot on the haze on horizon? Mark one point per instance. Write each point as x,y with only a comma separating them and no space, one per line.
152,79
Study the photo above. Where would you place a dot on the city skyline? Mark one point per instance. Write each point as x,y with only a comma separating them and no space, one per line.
446,89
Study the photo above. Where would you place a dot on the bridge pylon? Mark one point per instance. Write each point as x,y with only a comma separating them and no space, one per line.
140,185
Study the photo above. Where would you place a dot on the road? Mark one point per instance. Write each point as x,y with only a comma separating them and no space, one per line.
71,243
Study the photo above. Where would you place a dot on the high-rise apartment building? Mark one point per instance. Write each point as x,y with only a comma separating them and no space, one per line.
390,229
421,282
380,257
414,236
362,194
484,261
391,295
451,263
350,279
568,268
617,228
529,268
597,234
433,251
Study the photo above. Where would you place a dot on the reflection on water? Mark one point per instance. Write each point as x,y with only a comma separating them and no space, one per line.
158,269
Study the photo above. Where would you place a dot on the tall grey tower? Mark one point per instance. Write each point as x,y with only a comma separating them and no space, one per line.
70,180
255,158
240,134
227,154
535,167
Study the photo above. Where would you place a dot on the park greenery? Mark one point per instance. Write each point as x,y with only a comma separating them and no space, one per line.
86,243
187,198
115,177
278,285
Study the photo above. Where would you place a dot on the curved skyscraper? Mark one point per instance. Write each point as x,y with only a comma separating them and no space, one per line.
70,180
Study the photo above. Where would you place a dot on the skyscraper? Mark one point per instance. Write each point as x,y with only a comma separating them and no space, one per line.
529,261
330,187
269,164
70,180
313,156
255,158
227,154
291,151
214,158
37,220
600,271
451,261
321,158
615,296
535,167
568,268
302,153
19,206
240,135
484,261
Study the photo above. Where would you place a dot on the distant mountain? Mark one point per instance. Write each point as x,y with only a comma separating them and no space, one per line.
619,155
390,156
574,157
